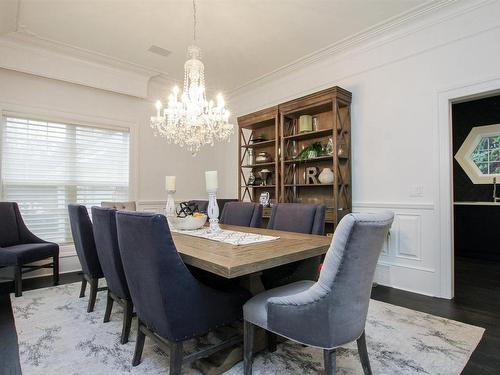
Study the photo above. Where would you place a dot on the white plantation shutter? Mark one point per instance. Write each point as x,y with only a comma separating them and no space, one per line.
47,165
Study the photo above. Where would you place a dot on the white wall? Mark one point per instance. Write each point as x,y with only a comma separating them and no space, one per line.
396,80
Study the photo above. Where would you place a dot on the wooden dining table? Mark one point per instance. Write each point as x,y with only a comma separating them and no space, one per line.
245,262
233,261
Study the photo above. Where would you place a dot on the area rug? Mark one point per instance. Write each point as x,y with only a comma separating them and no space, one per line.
57,336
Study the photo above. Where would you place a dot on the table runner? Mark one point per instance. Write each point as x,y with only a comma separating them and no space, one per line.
228,236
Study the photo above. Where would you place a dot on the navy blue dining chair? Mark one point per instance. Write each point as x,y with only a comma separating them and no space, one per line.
171,305
202,205
300,218
83,237
19,247
106,241
245,214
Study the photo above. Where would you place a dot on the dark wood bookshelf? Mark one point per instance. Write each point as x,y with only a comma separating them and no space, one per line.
279,124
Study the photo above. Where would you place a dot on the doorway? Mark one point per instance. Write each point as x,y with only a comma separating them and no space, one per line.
476,215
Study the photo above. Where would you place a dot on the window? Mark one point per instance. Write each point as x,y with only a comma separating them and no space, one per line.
47,165
479,155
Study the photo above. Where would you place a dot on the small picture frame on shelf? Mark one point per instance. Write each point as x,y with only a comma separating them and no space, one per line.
264,199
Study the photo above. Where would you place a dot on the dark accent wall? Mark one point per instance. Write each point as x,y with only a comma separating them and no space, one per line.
465,116
476,232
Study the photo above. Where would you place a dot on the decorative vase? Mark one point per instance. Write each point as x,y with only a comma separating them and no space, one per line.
311,154
251,179
329,147
343,152
263,157
326,176
250,157
264,174
305,123
295,150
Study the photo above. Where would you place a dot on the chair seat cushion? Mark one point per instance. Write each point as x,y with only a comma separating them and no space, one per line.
27,253
255,310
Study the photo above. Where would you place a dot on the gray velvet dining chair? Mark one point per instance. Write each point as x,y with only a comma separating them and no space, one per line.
106,242
128,206
83,237
335,307
300,218
19,247
171,305
245,214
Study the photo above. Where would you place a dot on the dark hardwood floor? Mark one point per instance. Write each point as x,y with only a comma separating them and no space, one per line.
477,302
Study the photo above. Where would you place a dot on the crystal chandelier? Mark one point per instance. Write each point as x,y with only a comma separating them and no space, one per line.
189,120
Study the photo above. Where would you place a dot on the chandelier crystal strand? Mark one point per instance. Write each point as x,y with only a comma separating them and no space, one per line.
189,120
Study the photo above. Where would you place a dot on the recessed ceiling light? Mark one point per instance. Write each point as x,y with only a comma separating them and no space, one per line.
159,51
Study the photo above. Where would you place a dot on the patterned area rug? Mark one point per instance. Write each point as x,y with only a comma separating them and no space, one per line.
57,336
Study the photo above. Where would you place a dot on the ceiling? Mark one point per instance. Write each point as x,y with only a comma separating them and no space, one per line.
241,40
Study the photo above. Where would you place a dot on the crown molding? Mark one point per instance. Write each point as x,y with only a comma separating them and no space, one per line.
25,52
416,19
24,36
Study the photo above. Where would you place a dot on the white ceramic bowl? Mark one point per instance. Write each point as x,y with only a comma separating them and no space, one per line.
188,222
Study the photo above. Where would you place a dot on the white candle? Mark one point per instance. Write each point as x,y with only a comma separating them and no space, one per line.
158,106
211,181
170,183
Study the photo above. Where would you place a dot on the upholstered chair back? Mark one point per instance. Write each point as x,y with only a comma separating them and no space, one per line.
203,205
13,230
83,237
336,306
166,296
152,266
298,217
245,214
106,241
128,206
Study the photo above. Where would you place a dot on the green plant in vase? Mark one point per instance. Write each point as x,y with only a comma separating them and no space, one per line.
310,152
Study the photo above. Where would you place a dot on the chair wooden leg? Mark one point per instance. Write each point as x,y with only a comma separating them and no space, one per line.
84,286
363,354
55,275
248,339
127,321
18,281
93,294
109,307
176,354
330,360
139,345
272,339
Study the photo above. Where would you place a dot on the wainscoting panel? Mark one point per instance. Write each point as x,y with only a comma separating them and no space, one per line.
407,261
409,233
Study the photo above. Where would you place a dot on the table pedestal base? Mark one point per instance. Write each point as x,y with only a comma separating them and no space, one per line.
224,360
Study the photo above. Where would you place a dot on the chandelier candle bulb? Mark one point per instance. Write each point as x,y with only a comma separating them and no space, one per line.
158,106
211,181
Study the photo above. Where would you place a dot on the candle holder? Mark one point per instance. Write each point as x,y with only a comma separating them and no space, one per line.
170,206
213,212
